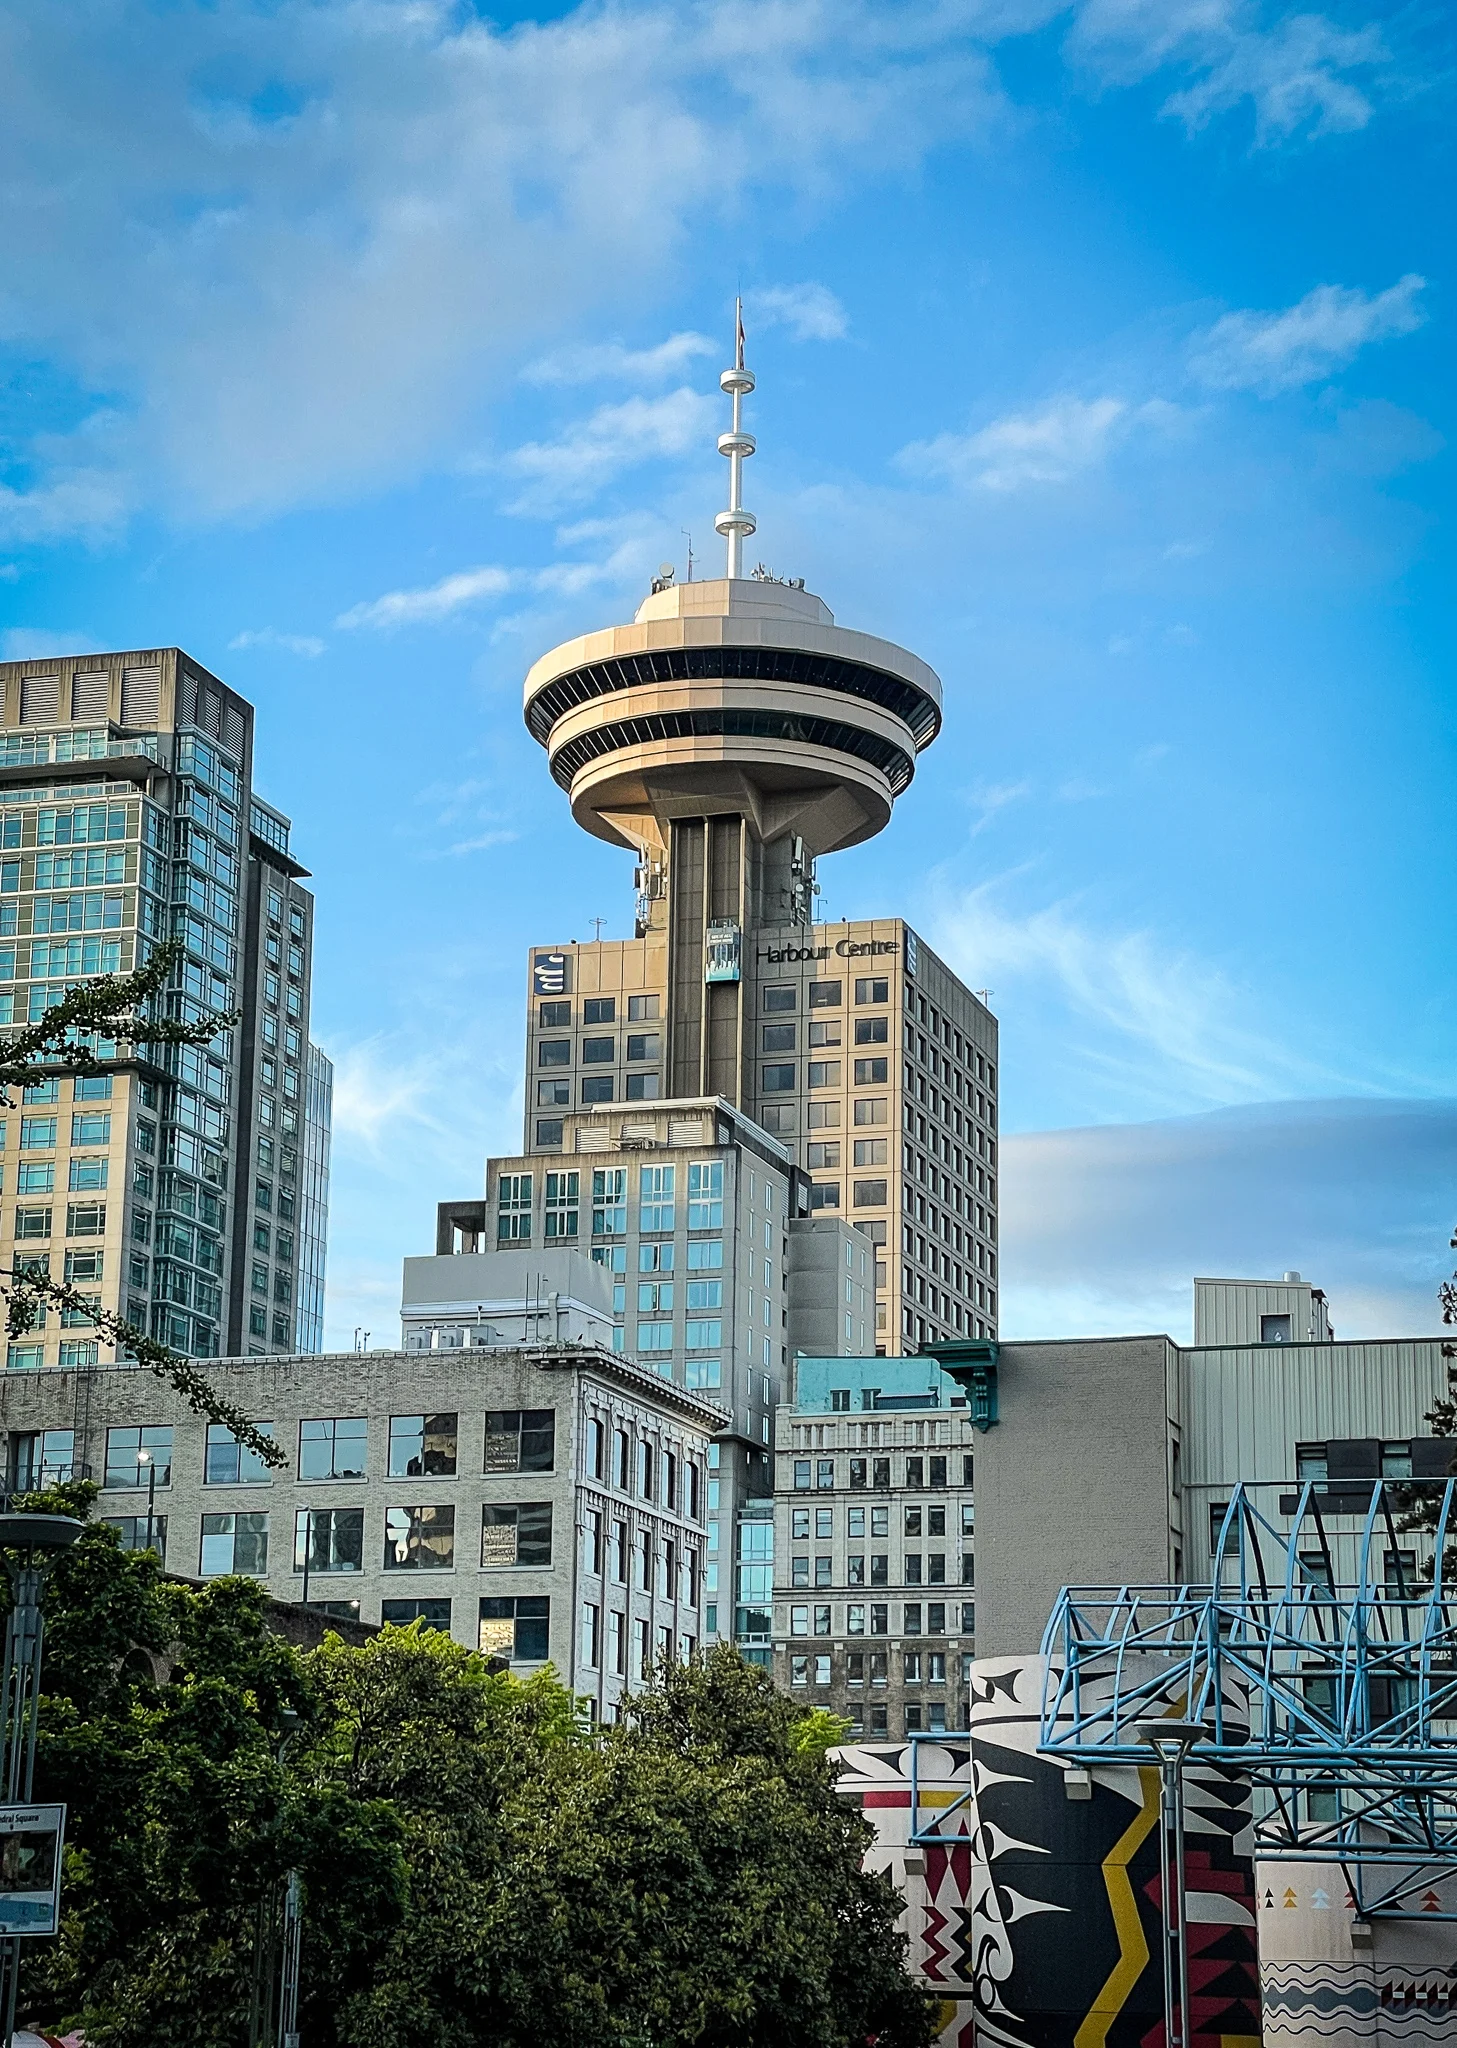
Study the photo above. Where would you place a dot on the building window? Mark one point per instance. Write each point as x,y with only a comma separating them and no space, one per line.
554,1016
598,1052
782,998
597,1088
825,1073
778,1037
825,1475
91,1127
83,1219
656,1187
778,1080
554,1052
1275,1329
132,1455
872,988
872,1030
333,1448
234,1543
140,1532
599,1010
517,1630
591,1638
548,1130
1310,1461
553,1094
705,1195
422,1446
561,1206
641,1009
41,1458
331,1538
644,1045
870,1194
513,1208
419,1538
431,1613
870,1072
226,1462
520,1440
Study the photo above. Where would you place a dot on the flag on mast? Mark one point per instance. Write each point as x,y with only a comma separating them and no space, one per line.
738,334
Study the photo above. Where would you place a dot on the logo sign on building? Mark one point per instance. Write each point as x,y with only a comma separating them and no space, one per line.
30,1868
913,952
551,974
725,949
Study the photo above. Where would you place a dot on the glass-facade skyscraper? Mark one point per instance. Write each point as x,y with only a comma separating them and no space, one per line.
175,1188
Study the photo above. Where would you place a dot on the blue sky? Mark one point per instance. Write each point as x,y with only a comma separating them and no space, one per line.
367,350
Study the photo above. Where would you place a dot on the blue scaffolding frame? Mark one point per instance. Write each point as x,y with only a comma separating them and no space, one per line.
1334,1692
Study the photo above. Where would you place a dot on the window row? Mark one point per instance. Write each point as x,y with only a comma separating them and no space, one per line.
915,1519
868,1031
917,1667
917,1618
918,1568
783,1079
600,1052
823,1475
827,995
598,1010
337,1447
83,1219
646,1470
648,1560
627,1646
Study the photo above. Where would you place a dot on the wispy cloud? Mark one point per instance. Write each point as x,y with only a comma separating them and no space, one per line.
1326,330
1062,439
615,437
39,643
378,1096
610,360
1303,75
1155,1019
309,645
464,589
810,312
992,798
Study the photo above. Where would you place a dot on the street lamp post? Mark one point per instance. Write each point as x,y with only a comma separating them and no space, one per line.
146,1458
1171,1742
29,1546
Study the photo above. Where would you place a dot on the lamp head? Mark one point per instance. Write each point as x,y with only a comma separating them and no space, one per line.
38,1532
1171,1741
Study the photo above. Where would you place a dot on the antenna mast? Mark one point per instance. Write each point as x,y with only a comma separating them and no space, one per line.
736,444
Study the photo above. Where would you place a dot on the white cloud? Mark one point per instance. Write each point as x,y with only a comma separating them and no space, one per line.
994,797
465,588
615,437
610,361
810,312
426,607
304,306
378,1096
306,644
1159,1027
1300,75
1103,1229
1064,438
1270,352
38,643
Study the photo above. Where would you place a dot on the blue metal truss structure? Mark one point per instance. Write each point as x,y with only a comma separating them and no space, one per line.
1332,1689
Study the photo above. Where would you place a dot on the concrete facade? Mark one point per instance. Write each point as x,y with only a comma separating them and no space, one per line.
871,1552
540,1503
496,1299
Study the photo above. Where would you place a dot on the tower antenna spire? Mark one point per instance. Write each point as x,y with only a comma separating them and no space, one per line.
736,444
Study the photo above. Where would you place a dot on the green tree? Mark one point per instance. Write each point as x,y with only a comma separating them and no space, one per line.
165,1729
96,1023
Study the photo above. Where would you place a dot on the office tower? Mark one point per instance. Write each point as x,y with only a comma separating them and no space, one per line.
729,737
171,1187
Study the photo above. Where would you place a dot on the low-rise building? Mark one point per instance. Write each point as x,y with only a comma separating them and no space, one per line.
543,1503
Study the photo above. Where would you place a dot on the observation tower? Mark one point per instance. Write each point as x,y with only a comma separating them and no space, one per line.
728,736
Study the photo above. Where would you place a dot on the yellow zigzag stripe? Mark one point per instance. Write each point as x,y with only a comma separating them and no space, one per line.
1132,1948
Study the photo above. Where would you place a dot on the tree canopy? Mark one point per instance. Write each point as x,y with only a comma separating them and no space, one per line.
480,1868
